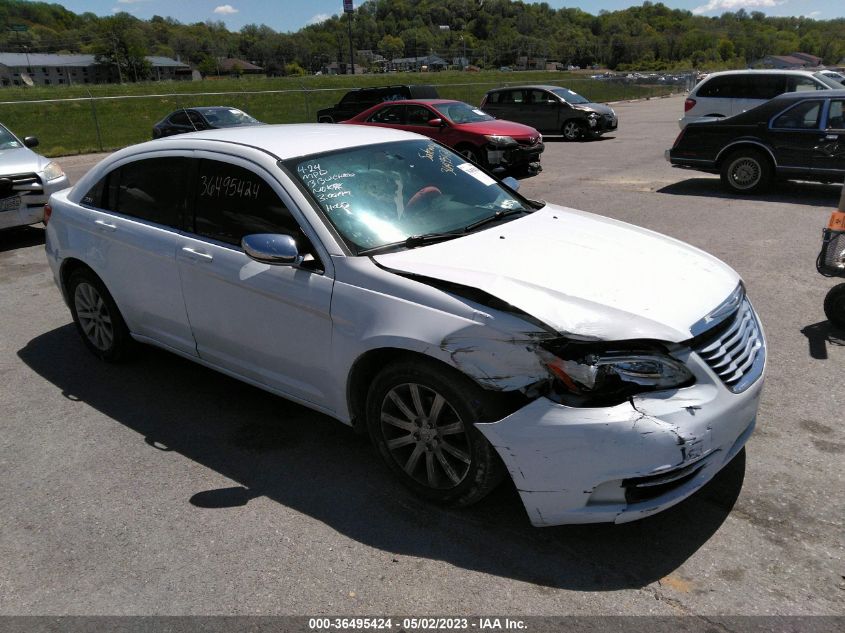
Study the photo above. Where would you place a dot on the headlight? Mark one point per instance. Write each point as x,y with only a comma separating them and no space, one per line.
607,376
497,139
53,171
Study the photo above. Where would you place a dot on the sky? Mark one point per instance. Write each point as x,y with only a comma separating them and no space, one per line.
292,15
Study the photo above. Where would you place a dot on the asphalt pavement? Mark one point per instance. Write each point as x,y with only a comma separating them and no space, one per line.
160,487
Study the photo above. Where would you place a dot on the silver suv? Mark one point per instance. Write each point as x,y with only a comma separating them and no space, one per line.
727,93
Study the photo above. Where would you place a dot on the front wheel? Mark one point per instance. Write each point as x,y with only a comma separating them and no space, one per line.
421,418
747,171
573,130
834,306
470,153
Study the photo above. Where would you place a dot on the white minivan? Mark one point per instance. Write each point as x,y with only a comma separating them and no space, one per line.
735,91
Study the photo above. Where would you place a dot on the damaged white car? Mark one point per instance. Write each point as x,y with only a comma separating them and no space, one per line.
380,278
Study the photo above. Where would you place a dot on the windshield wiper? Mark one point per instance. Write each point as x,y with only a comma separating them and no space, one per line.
502,213
414,241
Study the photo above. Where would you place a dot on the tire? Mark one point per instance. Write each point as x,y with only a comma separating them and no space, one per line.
97,317
470,153
834,306
747,171
573,130
441,457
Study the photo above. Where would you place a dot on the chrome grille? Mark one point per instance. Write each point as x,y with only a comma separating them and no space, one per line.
25,182
735,349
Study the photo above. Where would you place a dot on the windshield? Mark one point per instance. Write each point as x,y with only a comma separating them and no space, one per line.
460,112
229,117
383,194
570,97
7,139
828,81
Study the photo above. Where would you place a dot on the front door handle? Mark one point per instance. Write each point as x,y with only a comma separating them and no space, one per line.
831,137
105,226
197,255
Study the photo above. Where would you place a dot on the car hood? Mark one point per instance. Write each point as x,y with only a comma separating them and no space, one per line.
501,127
599,108
582,274
21,160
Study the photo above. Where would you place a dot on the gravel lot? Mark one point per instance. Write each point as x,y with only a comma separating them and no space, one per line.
159,487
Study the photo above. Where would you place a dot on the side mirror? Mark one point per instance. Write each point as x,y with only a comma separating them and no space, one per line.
30,141
271,248
511,182
435,122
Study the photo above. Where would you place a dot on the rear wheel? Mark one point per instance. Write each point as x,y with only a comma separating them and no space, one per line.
747,171
97,318
573,130
834,306
421,418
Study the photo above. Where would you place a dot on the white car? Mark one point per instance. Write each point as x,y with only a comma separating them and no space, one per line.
378,277
26,180
732,92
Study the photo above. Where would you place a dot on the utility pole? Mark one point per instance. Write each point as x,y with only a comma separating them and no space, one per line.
117,59
349,9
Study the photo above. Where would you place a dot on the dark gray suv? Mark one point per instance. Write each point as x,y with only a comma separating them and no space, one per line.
552,110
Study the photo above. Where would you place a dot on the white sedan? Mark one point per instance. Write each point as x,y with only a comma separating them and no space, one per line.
380,278
26,180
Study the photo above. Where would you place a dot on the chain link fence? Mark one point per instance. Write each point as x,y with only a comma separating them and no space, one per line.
104,123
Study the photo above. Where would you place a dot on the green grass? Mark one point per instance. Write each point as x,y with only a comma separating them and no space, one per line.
69,127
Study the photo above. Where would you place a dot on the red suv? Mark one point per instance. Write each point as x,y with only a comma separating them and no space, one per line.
490,142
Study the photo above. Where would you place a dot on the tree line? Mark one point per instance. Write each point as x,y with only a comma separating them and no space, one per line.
488,33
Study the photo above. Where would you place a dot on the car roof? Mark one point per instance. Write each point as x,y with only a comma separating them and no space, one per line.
418,101
289,140
811,94
205,109
762,71
529,86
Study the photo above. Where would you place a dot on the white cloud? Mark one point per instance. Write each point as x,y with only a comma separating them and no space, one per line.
320,17
814,14
130,1
225,9
733,5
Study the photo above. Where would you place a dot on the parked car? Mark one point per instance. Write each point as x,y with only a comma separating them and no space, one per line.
202,118
798,135
832,74
380,278
732,92
26,180
552,110
360,99
476,135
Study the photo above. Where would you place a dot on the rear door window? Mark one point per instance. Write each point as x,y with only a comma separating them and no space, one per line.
390,114
766,86
802,116
152,189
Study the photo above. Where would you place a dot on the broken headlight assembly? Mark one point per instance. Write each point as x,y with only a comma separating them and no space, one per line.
500,141
602,375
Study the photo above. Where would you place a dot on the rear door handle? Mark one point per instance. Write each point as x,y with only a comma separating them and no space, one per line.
197,255
831,137
105,226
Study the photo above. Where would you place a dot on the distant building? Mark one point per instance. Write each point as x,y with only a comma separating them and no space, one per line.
530,63
432,62
793,61
47,69
233,66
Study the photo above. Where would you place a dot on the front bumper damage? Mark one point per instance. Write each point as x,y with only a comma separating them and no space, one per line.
504,157
622,463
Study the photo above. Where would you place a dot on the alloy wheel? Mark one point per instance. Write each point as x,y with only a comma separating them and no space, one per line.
94,317
425,436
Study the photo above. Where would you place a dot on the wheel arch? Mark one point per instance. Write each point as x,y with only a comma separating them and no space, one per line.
70,266
745,144
370,363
